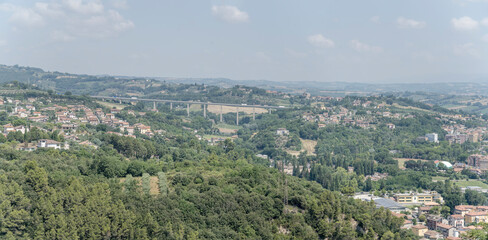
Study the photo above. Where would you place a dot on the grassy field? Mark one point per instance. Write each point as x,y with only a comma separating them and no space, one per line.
472,183
395,105
401,161
112,105
227,128
307,145
153,183
213,136
438,178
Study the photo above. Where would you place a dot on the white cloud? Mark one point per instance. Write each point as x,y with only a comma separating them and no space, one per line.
230,14
409,23
467,49
464,23
22,16
319,40
66,20
3,43
84,6
27,17
49,9
363,47
484,22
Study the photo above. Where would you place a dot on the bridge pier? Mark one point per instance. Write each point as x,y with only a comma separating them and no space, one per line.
188,109
221,113
170,106
253,114
154,106
204,111
237,117
120,101
269,110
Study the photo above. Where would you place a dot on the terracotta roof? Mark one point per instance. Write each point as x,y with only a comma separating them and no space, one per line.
442,225
477,214
464,207
419,226
49,141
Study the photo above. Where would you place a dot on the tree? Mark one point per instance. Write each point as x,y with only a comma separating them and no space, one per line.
163,183
474,198
146,183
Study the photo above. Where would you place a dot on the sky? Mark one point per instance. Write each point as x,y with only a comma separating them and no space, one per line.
369,41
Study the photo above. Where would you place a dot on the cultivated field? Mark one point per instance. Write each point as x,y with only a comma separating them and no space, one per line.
471,183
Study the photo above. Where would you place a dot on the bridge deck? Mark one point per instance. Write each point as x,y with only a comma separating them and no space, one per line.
188,102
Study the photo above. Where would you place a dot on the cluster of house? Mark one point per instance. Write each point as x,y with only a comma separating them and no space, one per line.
342,115
68,118
452,227
71,116
458,133
42,143
476,163
435,226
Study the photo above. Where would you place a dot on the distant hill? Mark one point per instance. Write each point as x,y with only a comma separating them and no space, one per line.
110,85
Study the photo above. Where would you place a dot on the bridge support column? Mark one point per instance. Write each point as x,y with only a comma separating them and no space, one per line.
188,109
269,110
253,114
154,106
120,101
204,111
221,120
170,106
237,117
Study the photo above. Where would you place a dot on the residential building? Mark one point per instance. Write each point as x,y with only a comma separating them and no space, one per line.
419,230
456,220
282,131
479,161
432,137
445,230
476,217
26,147
48,143
433,221
432,235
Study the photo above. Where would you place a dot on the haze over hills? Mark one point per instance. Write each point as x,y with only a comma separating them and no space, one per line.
50,79
343,88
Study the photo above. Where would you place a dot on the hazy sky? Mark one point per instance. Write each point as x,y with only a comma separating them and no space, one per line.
279,40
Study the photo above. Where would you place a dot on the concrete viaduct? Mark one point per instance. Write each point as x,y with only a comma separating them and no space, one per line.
188,103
